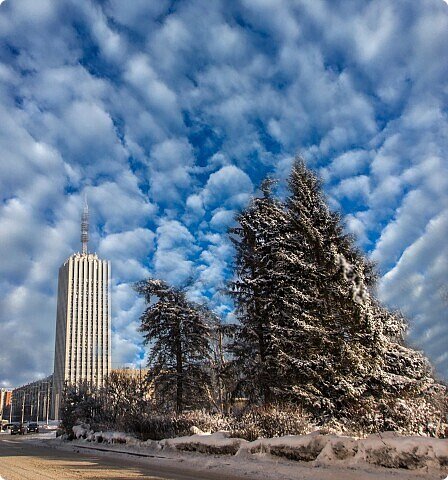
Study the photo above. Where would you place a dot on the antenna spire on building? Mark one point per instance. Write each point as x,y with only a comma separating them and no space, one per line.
85,226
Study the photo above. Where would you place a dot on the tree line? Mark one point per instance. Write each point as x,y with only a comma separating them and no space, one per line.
310,330
310,333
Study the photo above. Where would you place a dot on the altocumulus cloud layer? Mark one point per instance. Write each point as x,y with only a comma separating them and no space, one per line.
168,114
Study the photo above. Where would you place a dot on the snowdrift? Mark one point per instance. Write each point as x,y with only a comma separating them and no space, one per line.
387,449
218,443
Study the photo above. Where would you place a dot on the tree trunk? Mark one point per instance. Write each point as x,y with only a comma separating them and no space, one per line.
179,371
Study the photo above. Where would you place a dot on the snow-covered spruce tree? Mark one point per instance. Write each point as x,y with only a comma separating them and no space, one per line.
255,288
315,340
178,333
342,352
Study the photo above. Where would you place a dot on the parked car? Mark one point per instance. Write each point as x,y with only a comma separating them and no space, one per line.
19,429
7,426
33,427
15,429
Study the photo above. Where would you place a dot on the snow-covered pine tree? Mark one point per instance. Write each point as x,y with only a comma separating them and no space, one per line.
344,352
178,333
254,291
323,320
401,393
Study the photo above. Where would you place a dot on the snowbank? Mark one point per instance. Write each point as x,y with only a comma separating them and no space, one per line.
388,449
393,451
218,443
111,438
80,431
84,432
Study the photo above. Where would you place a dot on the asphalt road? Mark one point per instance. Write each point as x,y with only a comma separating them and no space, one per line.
20,460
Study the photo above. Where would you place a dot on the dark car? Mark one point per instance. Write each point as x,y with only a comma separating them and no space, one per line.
16,429
33,427
19,428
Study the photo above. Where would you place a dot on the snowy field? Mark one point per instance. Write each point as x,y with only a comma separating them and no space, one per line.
314,456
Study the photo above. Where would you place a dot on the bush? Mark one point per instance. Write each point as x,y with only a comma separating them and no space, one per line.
270,421
422,416
158,427
251,424
83,405
425,416
80,404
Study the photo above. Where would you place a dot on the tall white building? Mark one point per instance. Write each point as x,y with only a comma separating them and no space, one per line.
82,347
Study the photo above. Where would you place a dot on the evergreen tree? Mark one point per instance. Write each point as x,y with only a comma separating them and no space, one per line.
343,349
312,331
318,349
179,334
254,292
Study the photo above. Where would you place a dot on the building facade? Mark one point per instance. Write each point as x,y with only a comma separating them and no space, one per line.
83,321
32,402
5,403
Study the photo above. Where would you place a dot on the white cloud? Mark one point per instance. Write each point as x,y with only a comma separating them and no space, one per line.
419,277
168,116
354,188
222,219
228,186
175,245
158,96
139,242
129,249
120,204
348,164
170,165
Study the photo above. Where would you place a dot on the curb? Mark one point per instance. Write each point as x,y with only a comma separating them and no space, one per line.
135,454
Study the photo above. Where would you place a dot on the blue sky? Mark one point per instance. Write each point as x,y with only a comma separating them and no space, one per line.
168,114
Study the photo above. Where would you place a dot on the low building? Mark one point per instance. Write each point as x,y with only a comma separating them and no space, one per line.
5,403
32,402
138,373
135,376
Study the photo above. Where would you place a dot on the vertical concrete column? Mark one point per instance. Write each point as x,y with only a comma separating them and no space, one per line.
94,323
69,320
83,372
99,323
79,320
74,340
104,322
89,320
109,315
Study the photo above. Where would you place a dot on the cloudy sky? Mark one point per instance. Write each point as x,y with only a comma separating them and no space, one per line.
168,114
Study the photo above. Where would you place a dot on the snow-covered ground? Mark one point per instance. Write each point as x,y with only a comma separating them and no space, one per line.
313,456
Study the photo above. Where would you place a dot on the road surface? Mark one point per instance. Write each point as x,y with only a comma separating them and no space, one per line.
21,460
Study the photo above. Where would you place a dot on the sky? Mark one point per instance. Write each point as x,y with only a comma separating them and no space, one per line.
168,114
